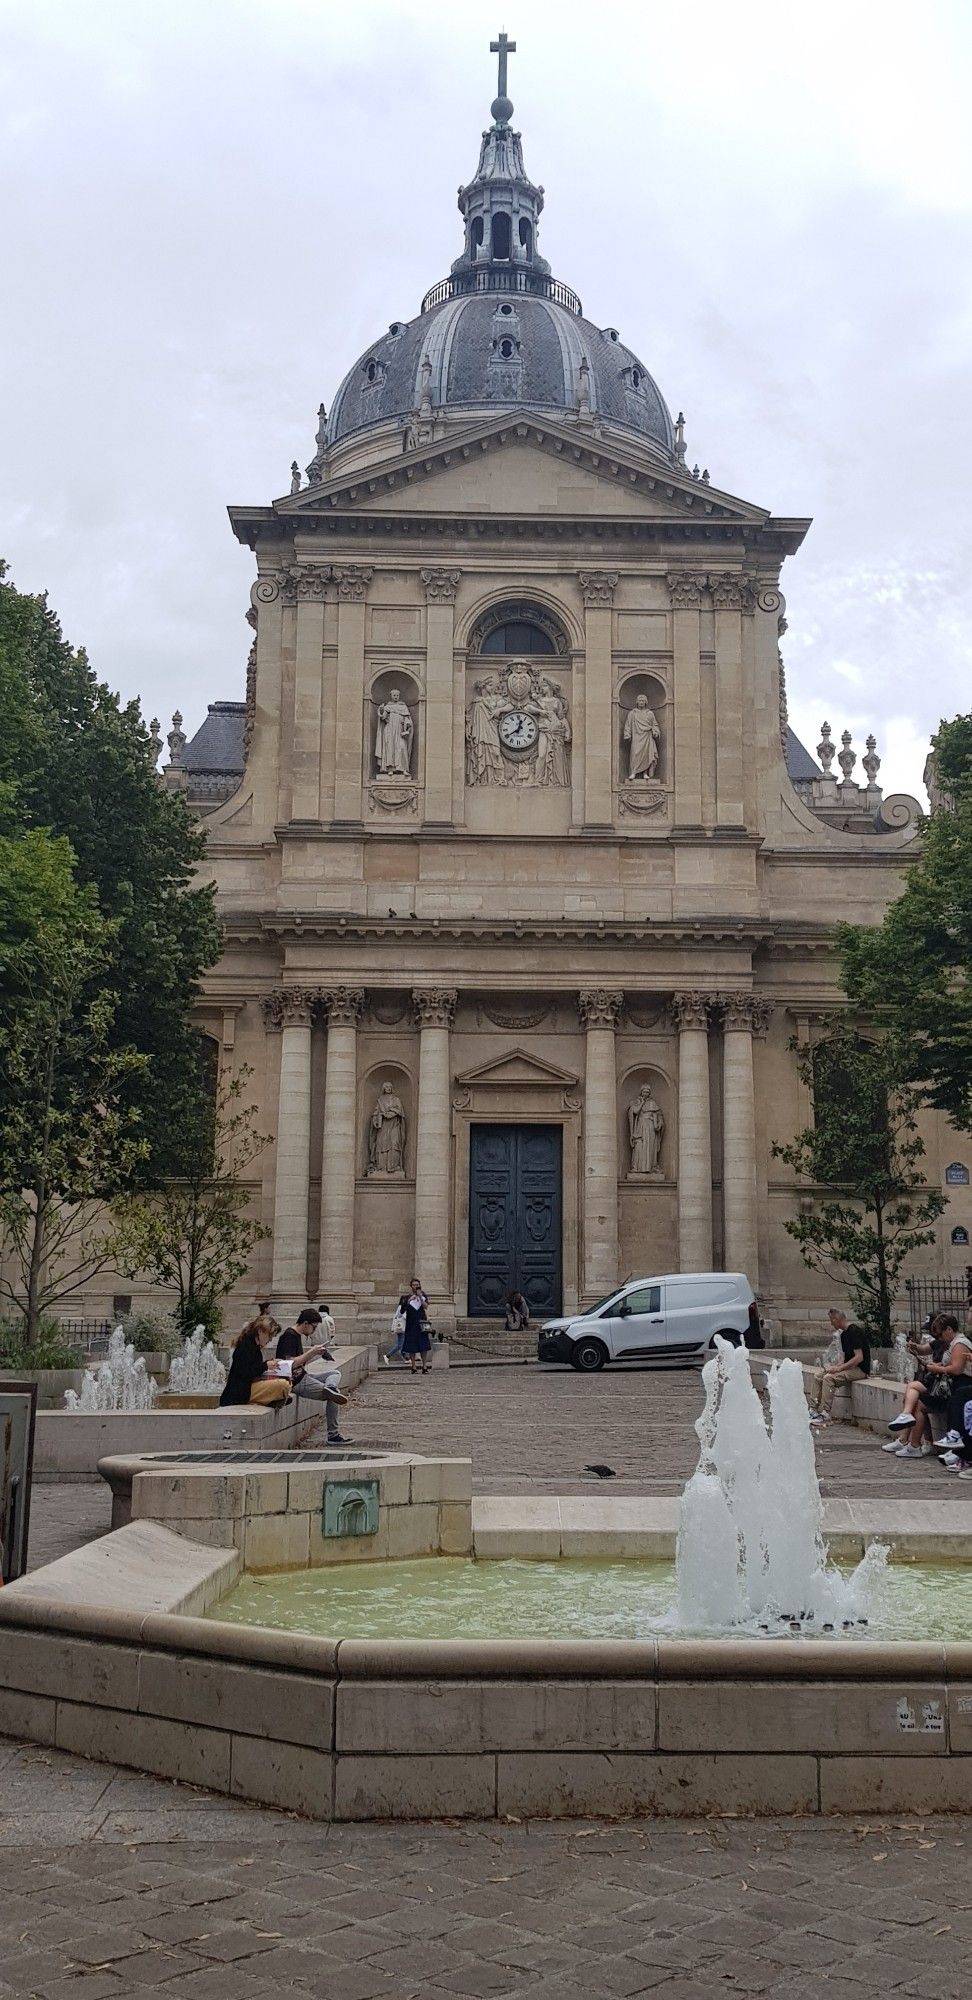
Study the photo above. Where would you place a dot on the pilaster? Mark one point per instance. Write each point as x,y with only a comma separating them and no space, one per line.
598,587
685,598
691,1015
351,583
599,1009
440,596
435,1011
310,582
744,1015
341,1007
287,1011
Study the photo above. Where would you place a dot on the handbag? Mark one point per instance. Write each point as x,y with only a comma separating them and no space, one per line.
398,1324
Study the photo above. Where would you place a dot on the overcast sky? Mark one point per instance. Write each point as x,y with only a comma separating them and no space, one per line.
211,207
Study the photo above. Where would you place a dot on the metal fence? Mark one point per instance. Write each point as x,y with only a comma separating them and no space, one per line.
91,1334
933,1295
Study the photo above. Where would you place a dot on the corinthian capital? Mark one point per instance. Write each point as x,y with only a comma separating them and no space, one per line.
598,586
310,581
599,1007
691,1010
440,585
684,590
435,1006
732,593
341,1005
746,1010
287,1007
352,582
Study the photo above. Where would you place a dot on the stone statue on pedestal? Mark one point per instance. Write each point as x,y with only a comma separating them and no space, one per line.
646,1128
386,1138
393,737
642,736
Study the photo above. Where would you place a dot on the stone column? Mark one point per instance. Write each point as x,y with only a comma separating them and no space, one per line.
342,1008
599,1011
288,1011
435,1011
311,584
352,588
685,597
264,694
440,592
598,587
691,1012
744,1015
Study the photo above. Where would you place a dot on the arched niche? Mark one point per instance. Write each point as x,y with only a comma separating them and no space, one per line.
646,1152
643,693
390,741
377,1143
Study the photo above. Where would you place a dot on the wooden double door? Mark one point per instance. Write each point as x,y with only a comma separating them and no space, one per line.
515,1218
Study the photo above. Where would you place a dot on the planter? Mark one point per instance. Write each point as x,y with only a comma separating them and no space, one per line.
169,1400
51,1383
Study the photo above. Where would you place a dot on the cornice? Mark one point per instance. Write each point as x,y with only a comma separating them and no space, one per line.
302,926
255,527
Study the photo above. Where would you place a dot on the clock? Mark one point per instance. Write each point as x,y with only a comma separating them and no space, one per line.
518,731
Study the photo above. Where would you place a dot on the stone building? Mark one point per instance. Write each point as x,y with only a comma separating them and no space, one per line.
526,882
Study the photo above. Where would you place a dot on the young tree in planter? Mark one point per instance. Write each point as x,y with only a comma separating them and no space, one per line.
915,969
197,1231
869,1206
70,1137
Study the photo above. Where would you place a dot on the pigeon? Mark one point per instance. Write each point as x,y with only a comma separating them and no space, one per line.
601,1471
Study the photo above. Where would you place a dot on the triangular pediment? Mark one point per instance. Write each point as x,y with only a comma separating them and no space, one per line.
520,1067
523,464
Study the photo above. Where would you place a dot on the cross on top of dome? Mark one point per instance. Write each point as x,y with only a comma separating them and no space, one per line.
501,108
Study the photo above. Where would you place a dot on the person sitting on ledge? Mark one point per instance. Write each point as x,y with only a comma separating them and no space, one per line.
250,1379
291,1352
854,1366
956,1371
517,1312
926,1391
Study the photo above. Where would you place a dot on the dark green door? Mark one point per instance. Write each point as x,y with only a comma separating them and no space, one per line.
515,1218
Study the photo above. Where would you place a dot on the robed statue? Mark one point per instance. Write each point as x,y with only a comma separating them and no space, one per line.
642,736
646,1127
393,737
386,1138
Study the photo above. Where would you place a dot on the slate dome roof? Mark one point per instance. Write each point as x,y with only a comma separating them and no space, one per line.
461,336
500,332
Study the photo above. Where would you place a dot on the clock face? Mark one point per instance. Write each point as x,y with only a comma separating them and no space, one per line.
518,731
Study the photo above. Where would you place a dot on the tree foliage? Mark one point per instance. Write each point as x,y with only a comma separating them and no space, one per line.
868,1206
75,761
915,969
196,1232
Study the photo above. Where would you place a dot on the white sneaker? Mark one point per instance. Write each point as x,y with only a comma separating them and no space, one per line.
386,1361
892,1446
909,1451
952,1460
901,1423
949,1442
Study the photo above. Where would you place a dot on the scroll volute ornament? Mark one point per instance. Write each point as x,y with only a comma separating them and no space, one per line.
435,1006
598,586
440,585
600,1007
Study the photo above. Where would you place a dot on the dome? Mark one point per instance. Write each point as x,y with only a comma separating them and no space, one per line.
499,333
489,351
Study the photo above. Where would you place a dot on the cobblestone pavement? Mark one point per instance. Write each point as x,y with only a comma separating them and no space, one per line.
115,1885
529,1429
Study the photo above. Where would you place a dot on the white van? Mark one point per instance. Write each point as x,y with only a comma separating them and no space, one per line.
668,1320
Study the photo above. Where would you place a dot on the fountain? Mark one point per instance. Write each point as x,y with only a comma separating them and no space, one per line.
198,1370
121,1383
750,1552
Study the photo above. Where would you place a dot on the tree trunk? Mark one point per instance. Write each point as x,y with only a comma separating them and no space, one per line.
35,1264
884,1298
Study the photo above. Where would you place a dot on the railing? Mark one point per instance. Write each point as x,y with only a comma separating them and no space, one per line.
934,1295
493,278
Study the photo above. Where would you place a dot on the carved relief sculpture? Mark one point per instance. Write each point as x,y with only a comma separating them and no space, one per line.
646,1129
642,737
386,1136
394,732
517,730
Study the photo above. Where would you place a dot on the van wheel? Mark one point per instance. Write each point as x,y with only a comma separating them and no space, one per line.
726,1333
588,1355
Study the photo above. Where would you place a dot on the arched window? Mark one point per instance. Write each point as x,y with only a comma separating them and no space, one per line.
476,234
517,636
501,237
526,235
506,349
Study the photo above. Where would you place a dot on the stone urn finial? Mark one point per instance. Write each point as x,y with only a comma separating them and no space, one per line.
871,762
176,741
155,741
826,750
846,757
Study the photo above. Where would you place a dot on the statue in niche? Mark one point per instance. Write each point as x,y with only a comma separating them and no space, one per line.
393,737
386,1138
646,1128
517,730
642,736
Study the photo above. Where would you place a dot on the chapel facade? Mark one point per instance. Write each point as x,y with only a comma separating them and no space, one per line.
527,884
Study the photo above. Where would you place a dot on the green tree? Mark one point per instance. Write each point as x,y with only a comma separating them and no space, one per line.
869,1206
70,1138
914,970
197,1231
74,760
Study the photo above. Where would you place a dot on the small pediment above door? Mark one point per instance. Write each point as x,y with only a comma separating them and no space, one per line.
517,1066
